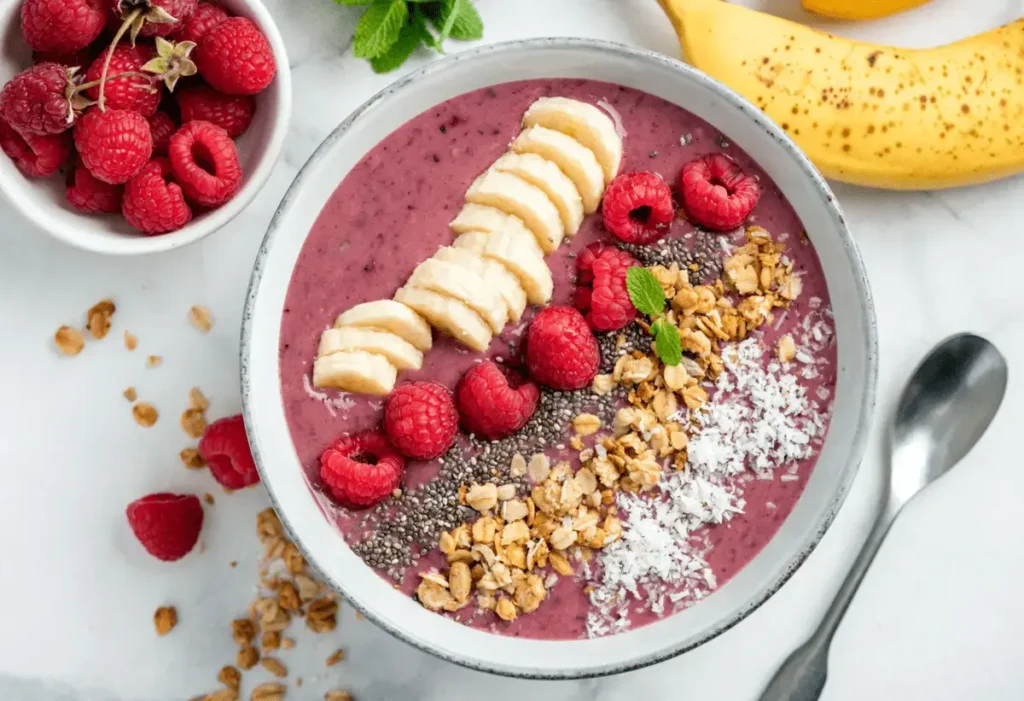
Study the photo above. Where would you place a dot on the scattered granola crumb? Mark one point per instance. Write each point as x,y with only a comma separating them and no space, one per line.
130,394
153,361
335,695
243,631
336,657
200,317
193,422
270,642
208,498
98,318
233,563
248,656
70,341
287,643
230,676
145,414
130,341
165,618
271,691
221,695
274,666
191,458
197,400
360,616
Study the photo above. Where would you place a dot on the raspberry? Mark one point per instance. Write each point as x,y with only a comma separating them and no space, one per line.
62,26
610,306
561,351
637,207
75,59
38,100
87,194
35,156
225,448
420,419
585,261
361,469
130,92
232,113
161,127
205,163
581,298
716,192
166,524
206,17
235,58
151,203
152,19
114,145
494,401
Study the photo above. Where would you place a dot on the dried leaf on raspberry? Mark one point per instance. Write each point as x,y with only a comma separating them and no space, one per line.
645,291
172,62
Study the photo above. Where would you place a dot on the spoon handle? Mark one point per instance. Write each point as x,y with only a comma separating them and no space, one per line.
802,676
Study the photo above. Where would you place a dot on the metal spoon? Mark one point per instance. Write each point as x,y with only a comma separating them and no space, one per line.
946,406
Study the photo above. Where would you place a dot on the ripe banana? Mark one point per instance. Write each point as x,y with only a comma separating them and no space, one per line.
355,371
481,218
449,315
493,272
389,315
549,178
575,160
399,353
464,285
514,252
583,122
859,9
513,195
865,113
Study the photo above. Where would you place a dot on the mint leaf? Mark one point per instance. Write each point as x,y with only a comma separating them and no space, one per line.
450,10
409,39
667,343
353,3
379,27
644,291
468,24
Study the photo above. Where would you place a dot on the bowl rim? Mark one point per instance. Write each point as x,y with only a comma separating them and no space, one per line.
869,343
214,220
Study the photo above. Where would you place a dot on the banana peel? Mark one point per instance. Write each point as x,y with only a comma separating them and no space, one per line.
859,9
869,114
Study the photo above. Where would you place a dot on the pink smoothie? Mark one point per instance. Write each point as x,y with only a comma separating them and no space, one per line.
392,212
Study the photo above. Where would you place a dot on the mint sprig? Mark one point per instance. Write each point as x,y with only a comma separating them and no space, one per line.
647,296
390,31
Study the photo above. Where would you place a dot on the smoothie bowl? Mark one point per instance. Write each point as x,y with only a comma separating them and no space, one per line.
558,358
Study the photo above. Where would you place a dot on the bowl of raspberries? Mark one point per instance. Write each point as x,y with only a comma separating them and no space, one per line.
137,126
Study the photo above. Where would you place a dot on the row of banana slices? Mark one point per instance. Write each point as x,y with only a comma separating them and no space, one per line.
516,212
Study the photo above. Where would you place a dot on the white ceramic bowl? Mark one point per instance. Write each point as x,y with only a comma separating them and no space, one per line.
41,200
745,126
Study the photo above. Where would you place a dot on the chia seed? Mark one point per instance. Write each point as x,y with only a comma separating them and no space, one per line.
700,249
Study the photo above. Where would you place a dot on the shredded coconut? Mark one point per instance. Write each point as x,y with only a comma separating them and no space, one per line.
759,421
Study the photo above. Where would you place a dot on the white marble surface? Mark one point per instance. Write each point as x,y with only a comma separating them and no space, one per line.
939,617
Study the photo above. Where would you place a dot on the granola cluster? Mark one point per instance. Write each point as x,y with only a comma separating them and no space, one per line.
514,551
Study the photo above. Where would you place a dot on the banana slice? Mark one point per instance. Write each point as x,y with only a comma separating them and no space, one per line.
492,272
400,353
515,254
483,219
464,285
355,371
575,160
389,315
449,315
513,195
541,172
583,122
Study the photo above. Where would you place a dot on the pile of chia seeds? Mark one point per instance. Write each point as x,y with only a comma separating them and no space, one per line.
701,249
398,530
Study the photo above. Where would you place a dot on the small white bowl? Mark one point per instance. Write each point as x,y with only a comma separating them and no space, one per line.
42,201
746,126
